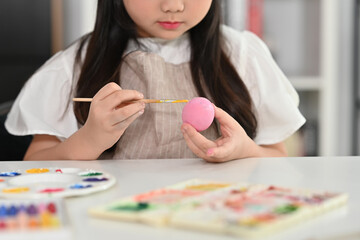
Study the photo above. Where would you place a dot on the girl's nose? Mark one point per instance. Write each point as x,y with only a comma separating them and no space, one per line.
172,5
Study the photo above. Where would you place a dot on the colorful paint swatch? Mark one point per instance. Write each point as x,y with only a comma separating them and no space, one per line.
245,210
35,183
33,219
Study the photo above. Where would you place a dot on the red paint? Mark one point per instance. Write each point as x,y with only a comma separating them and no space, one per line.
51,208
2,225
52,190
58,171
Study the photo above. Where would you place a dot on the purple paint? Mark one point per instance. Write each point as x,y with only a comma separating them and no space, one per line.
95,179
32,210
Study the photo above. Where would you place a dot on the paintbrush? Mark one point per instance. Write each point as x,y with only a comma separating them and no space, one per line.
142,100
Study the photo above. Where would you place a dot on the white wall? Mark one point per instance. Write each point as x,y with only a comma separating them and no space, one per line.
235,14
346,42
79,19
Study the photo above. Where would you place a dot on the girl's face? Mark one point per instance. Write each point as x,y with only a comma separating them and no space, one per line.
167,19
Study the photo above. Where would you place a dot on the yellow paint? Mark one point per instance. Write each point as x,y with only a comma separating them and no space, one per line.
45,219
171,101
181,101
55,221
37,170
248,222
15,190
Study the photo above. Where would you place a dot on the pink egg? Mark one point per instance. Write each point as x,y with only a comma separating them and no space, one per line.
199,113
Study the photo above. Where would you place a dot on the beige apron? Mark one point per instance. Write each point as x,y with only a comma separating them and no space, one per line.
157,133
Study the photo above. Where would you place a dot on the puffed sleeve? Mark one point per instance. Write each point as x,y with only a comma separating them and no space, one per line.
43,106
275,99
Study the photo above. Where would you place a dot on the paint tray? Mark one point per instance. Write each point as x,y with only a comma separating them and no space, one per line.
239,209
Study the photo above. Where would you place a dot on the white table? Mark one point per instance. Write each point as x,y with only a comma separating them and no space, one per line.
340,174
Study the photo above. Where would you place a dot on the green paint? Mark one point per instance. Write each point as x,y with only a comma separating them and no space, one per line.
131,207
286,209
91,174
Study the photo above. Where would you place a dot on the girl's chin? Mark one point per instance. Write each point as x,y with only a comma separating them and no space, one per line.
166,35
170,35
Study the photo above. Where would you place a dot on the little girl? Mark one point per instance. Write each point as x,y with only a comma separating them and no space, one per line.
158,49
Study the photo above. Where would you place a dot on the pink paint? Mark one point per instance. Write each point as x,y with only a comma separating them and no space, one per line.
199,113
165,195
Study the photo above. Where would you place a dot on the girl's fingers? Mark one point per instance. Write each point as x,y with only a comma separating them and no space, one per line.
193,147
204,148
196,137
224,118
220,141
219,154
126,122
112,95
196,142
117,98
229,127
106,91
122,114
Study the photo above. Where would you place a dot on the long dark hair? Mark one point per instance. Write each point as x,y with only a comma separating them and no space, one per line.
211,68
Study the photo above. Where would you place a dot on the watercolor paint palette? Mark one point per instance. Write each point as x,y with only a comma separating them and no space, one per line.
39,219
154,207
55,182
240,209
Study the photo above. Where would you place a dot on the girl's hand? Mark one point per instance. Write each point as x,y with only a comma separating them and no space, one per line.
111,112
234,143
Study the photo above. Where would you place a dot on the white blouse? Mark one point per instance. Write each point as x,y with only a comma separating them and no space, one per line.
44,107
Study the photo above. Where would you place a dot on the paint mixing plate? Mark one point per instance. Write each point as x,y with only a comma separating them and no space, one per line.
53,182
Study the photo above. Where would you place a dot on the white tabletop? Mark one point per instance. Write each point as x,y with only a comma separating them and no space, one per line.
339,174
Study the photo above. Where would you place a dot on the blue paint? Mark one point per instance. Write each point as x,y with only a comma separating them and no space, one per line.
9,174
80,186
3,211
12,210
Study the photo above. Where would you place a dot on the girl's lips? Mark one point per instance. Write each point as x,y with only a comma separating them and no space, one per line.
170,25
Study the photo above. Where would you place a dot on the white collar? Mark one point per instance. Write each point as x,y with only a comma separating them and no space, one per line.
175,51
